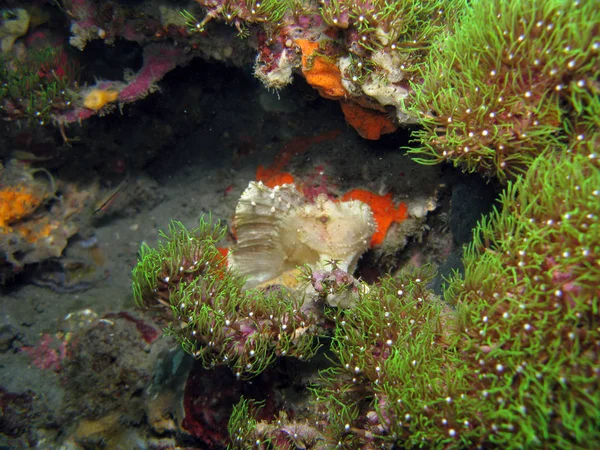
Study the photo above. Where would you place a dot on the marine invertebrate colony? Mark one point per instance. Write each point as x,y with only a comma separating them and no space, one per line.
515,365
16,203
321,73
522,369
369,123
38,88
210,314
528,309
498,91
33,226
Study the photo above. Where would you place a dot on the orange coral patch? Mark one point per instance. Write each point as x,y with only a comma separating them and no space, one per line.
274,175
16,203
370,124
384,210
271,177
37,229
224,251
321,73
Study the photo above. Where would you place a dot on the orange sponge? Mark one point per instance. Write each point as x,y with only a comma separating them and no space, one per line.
384,211
320,72
96,99
272,177
370,124
33,230
15,203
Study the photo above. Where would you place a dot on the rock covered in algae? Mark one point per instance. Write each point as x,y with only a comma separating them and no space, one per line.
278,229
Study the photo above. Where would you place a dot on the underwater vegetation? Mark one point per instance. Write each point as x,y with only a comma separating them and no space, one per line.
510,360
210,314
37,88
508,89
507,84
515,363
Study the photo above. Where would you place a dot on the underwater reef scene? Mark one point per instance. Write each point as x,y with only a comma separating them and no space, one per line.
299,224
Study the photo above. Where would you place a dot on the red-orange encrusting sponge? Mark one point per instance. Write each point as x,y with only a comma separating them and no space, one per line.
385,212
36,229
271,177
274,175
370,124
320,72
15,203
223,251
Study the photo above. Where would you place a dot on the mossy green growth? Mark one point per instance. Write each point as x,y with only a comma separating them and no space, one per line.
403,25
180,257
242,426
584,130
516,364
397,365
270,10
403,29
37,88
505,85
241,13
528,309
209,312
